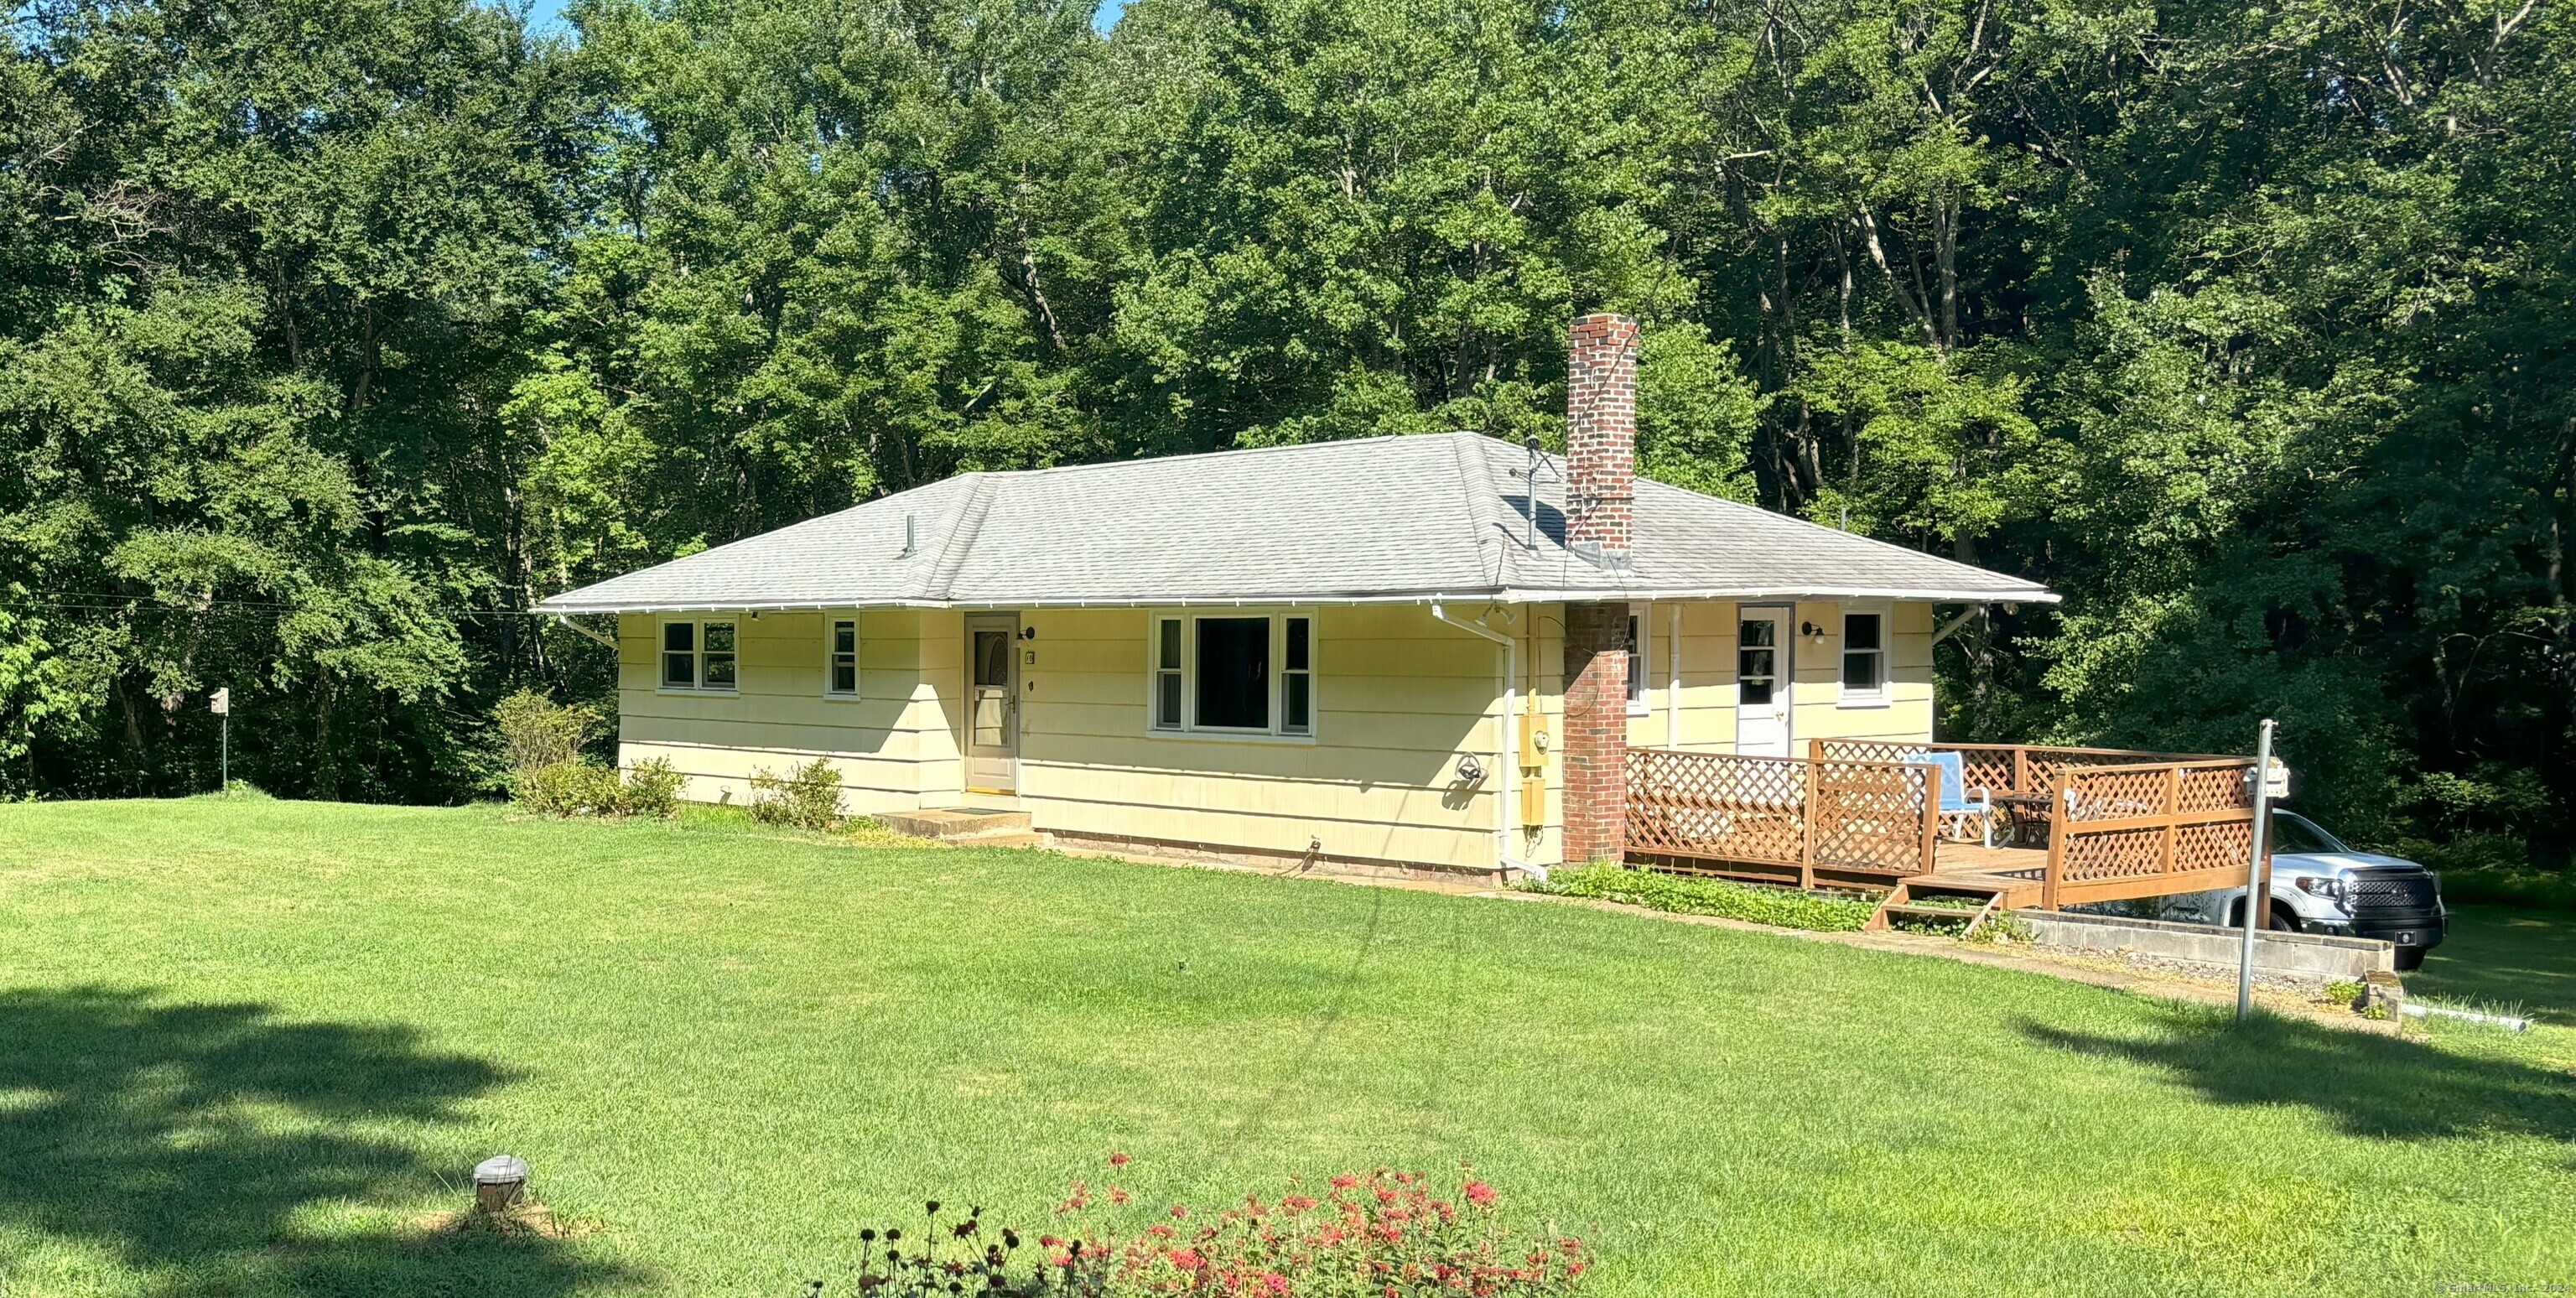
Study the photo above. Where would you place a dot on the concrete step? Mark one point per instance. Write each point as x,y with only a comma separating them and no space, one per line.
959,825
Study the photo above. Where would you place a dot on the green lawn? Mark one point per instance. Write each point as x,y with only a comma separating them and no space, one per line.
245,1047
2499,958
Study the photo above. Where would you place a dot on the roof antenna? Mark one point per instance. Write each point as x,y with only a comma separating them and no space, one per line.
910,538
1529,492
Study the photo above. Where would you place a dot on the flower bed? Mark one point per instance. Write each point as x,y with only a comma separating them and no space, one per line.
1377,1234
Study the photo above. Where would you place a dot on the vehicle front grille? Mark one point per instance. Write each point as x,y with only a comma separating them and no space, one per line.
2416,891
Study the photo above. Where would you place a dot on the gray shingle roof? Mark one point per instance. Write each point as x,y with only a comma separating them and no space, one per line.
1381,519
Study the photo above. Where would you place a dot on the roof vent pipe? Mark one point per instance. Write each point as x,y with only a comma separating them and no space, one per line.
911,537
1601,438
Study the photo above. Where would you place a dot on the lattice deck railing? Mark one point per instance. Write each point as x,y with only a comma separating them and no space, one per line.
1852,817
2119,824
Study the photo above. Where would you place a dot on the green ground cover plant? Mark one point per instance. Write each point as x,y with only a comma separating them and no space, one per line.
1690,895
252,1048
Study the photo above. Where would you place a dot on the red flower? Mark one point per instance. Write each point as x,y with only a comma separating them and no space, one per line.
1185,1259
1179,1212
1478,1193
1117,1159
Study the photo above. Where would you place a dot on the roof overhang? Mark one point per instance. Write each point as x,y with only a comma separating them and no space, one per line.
1634,594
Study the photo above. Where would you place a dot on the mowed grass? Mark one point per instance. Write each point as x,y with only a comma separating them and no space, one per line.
2497,957
250,1047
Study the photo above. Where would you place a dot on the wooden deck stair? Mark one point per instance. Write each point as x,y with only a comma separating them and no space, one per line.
1994,892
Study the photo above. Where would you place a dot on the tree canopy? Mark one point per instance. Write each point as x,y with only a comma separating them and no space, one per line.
335,333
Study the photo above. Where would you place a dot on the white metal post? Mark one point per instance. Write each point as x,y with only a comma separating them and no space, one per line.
2257,903
222,704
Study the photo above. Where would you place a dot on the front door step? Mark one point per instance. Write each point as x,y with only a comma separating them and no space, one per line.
966,827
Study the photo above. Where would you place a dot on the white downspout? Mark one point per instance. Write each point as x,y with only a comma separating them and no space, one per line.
1506,762
1673,693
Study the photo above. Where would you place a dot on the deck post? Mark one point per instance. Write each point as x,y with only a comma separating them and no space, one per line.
2169,842
2021,768
1932,817
1807,821
2060,824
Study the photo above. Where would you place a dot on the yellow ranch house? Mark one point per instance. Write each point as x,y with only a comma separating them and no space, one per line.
1424,653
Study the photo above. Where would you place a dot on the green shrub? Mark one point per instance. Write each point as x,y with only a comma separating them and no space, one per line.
652,789
807,797
569,788
1683,894
537,732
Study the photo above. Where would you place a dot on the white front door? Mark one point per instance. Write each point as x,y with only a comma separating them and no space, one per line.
1762,682
992,703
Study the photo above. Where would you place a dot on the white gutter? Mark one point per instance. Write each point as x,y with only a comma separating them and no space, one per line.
1494,596
1507,762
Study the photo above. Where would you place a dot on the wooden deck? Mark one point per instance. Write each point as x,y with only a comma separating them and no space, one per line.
1864,814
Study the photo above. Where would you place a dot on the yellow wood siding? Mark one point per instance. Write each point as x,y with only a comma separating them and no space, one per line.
1399,696
890,744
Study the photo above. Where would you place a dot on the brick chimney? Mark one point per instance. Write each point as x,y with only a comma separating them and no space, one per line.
1601,495
1601,437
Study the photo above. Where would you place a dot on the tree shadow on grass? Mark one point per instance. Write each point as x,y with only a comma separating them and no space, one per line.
2383,1088
195,1144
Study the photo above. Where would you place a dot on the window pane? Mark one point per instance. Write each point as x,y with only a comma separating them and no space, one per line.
719,669
1167,700
993,660
845,637
1297,644
1860,631
1753,672
720,637
1167,635
1234,672
1860,671
1756,631
845,677
679,637
1294,707
1636,666
680,670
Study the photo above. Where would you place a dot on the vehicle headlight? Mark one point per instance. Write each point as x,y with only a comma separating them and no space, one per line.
2330,886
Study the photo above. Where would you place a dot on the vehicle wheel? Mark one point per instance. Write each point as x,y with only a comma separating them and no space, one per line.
2410,959
2284,919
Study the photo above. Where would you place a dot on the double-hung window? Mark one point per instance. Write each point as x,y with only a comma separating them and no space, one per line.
1864,658
1233,673
841,657
698,654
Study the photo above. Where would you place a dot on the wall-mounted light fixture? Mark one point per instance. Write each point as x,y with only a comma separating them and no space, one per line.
1028,633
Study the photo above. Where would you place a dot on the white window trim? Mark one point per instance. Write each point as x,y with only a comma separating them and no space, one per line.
1641,667
698,639
1278,616
1881,696
858,677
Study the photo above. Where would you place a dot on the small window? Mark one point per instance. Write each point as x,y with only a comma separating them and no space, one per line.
1638,668
1167,673
1864,654
1234,673
680,655
1297,680
841,658
698,655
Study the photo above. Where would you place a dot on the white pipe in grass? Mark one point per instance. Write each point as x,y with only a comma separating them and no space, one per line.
2506,1021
